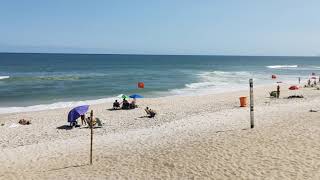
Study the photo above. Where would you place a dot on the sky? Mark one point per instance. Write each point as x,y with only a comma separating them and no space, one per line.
203,27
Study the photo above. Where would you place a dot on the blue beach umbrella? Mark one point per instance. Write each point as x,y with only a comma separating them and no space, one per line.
76,112
135,96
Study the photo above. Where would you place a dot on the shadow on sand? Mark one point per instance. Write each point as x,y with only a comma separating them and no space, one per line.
69,167
65,127
222,131
112,109
88,127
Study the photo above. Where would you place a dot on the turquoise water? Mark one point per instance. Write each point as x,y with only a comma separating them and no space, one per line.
33,79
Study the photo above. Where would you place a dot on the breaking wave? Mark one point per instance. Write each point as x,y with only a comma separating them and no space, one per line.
5,110
295,67
4,77
282,66
215,81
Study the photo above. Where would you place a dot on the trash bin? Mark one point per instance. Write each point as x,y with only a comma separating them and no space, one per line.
243,101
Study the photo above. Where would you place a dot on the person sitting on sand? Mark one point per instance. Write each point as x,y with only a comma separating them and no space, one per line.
94,121
151,113
89,121
116,104
133,104
125,104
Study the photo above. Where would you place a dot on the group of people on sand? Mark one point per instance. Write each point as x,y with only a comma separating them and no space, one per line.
310,84
85,121
125,104
314,84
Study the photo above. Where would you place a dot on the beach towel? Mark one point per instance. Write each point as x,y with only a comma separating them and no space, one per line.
14,125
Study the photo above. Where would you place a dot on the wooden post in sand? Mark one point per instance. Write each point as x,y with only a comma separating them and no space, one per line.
91,126
251,104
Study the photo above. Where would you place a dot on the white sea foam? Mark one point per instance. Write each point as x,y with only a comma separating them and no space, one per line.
215,81
223,81
295,67
4,77
282,66
4,110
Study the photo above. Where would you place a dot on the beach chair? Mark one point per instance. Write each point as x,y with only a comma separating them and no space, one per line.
273,94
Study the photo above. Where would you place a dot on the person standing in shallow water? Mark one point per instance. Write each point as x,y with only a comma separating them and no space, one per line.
278,91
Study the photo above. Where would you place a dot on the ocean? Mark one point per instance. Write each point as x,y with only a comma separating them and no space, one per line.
46,81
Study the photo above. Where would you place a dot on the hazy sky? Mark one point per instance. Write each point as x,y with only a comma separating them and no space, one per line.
229,27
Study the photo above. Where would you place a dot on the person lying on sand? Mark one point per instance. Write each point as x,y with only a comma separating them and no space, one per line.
295,96
24,122
151,113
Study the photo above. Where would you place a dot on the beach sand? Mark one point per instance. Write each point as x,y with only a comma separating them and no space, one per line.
192,137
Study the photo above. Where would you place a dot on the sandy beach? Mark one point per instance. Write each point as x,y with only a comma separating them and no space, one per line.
192,137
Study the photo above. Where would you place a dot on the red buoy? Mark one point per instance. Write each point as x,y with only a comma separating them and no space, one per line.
140,85
274,76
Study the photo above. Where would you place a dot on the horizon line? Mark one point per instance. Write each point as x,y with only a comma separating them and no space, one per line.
149,54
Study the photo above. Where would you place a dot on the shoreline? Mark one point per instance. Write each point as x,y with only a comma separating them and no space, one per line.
191,137
70,104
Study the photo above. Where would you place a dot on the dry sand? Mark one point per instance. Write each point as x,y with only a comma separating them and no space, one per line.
196,137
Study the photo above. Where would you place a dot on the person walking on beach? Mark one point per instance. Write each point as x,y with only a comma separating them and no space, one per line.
299,80
278,91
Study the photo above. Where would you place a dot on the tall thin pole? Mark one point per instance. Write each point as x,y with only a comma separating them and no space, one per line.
91,125
251,104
